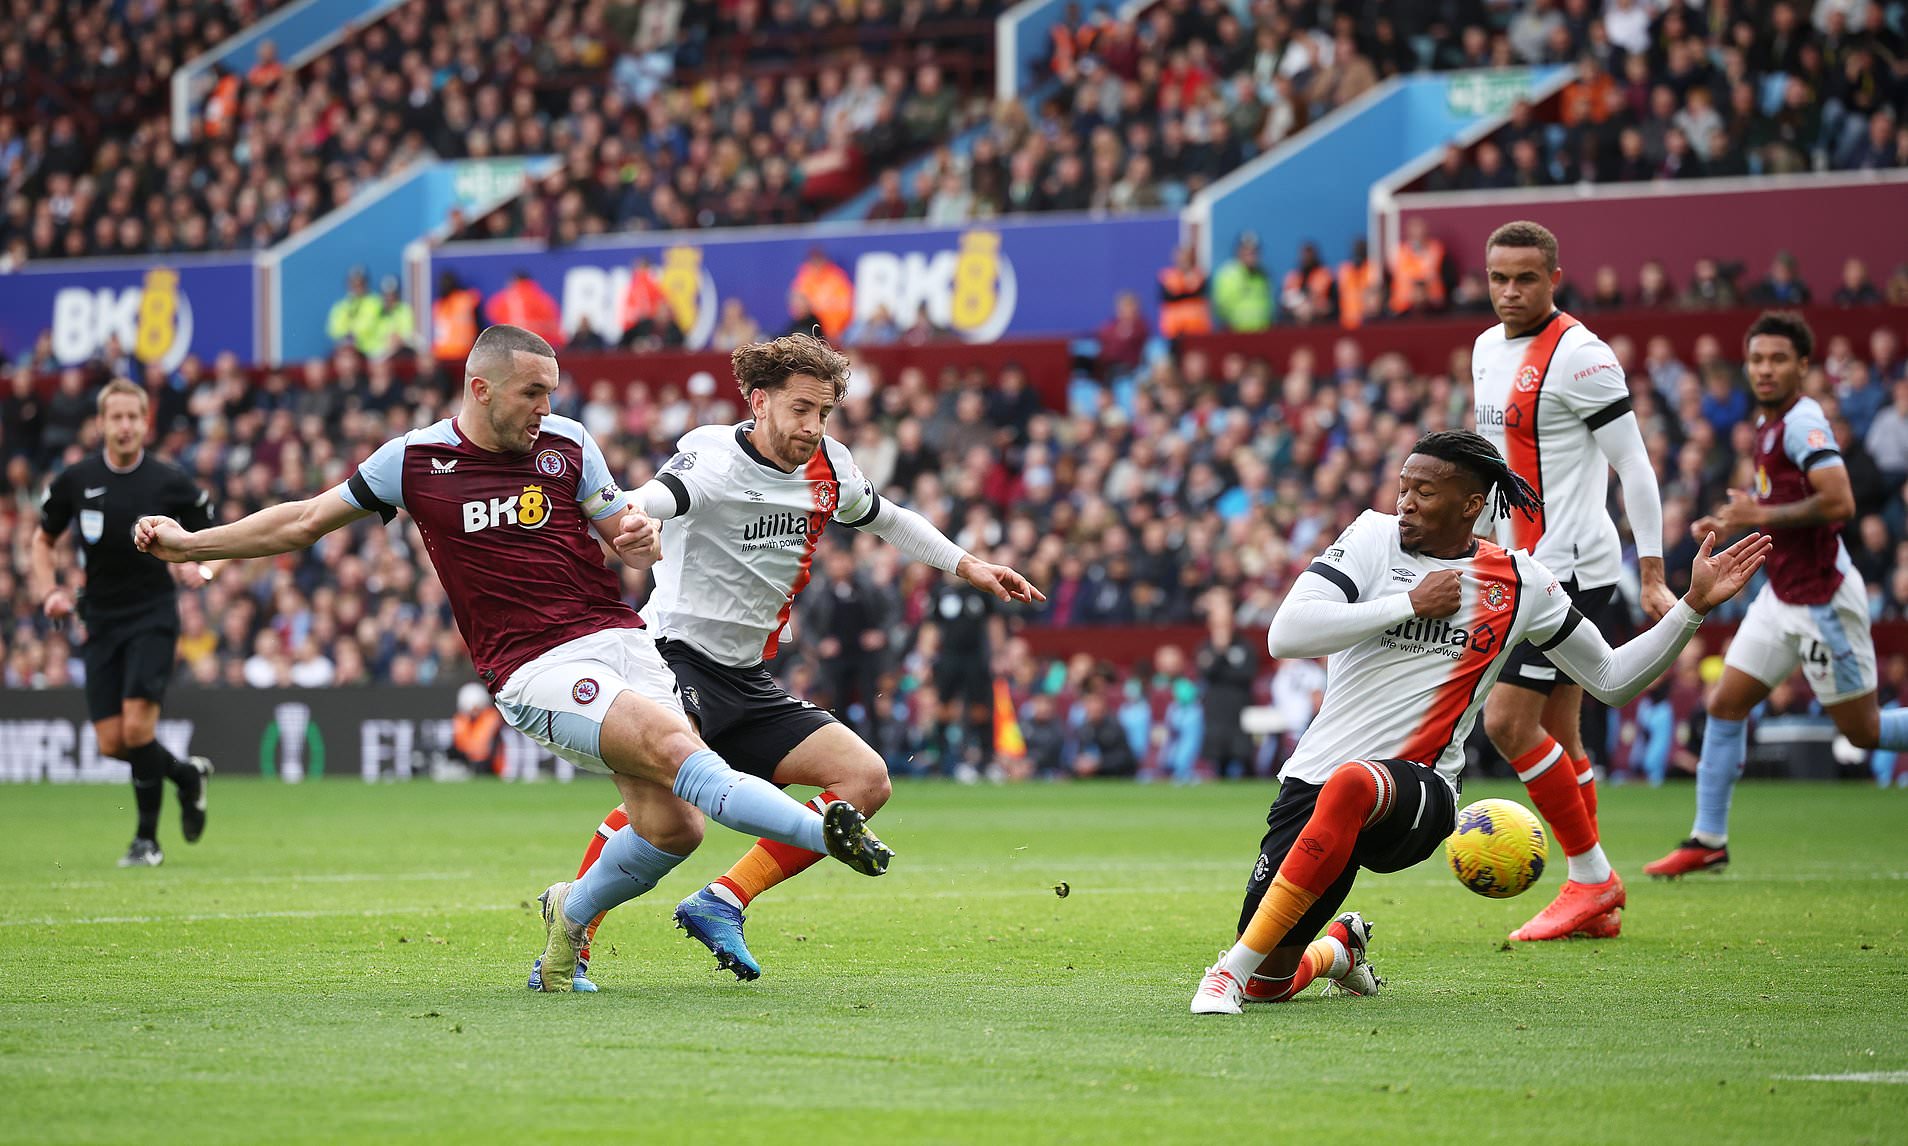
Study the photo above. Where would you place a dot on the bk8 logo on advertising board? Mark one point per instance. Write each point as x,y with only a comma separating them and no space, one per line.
971,291
597,294
153,321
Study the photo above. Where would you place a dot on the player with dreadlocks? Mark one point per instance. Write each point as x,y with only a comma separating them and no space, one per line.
1416,615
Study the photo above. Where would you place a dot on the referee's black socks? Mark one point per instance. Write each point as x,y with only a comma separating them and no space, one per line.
152,766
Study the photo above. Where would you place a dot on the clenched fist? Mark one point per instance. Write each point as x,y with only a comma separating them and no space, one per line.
1439,594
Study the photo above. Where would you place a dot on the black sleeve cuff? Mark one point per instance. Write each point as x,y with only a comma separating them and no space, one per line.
1608,414
866,519
1817,456
1563,631
1336,577
361,490
674,485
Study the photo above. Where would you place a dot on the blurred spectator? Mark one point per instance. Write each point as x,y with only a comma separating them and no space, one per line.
1653,287
1183,308
453,318
827,292
1241,290
354,318
1308,293
1708,289
523,302
1123,337
1358,279
1783,287
1856,290
1228,665
1417,269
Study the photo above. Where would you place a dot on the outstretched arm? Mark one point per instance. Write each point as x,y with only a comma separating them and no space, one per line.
279,529
1618,676
918,540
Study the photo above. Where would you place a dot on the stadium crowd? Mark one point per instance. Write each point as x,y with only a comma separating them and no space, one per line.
1183,490
591,82
1668,92
677,115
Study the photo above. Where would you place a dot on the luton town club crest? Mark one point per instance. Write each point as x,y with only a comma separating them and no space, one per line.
1527,379
1495,595
825,497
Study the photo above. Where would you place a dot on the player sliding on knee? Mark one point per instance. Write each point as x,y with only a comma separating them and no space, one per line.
1417,616
744,509
511,502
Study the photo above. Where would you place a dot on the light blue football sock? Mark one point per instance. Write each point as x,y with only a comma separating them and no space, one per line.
1894,729
628,866
1725,743
748,804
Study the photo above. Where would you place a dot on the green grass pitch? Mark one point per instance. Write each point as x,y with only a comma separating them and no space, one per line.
342,963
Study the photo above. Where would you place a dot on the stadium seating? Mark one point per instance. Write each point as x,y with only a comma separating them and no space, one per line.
1686,98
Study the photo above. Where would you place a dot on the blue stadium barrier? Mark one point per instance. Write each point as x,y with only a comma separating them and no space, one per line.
306,273
1315,188
300,31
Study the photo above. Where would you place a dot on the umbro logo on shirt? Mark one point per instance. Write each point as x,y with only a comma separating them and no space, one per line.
439,466
1403,574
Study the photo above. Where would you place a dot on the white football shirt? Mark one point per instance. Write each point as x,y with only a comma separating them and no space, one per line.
1540,400
741,544
1413,691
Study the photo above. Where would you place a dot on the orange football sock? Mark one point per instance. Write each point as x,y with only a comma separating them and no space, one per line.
615,822
769,862
1587,784
1320,958
1558,796
1356,795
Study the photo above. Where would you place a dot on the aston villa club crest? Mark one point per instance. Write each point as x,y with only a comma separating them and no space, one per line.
1528,379
584,691
550,463
1495,595
825,497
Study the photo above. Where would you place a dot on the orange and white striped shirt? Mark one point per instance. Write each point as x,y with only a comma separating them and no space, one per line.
1409,687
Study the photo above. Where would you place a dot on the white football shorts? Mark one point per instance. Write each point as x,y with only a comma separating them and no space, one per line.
1831,642
560,699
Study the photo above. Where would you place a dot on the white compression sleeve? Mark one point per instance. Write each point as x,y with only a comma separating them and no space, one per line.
1315,620
915,536
1616,676
656,499
1622,443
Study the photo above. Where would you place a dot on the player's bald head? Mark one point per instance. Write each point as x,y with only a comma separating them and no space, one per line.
494,355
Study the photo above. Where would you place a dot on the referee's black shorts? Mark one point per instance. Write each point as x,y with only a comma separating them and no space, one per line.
1423,815
128,658
1528,668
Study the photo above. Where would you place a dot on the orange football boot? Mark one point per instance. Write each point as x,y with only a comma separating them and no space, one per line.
1575,906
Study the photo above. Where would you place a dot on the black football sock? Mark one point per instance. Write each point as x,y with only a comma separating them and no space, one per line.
161,764
149,789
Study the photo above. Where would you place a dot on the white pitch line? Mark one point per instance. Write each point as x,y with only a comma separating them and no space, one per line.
325,877
227,916
1886,1077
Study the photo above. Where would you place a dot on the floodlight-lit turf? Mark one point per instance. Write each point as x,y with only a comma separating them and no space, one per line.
339,963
